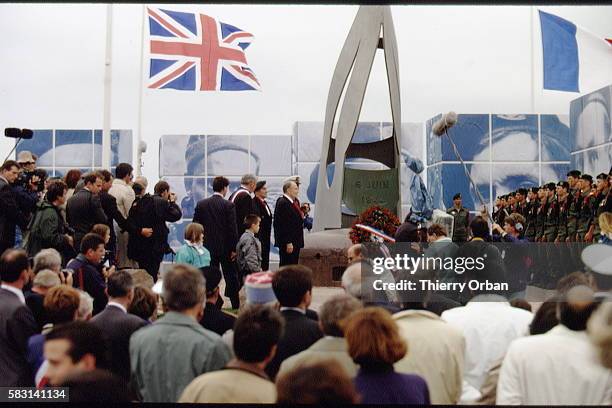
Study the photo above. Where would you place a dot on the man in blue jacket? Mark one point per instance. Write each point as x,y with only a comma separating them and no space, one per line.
89,274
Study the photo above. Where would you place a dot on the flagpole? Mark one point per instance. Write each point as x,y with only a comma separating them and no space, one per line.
106,125
138,165
531,21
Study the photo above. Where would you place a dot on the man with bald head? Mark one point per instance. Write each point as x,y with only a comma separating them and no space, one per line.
353,254
559,367
288,225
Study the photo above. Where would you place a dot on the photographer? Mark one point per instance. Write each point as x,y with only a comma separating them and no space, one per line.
152,212
28,187
48,229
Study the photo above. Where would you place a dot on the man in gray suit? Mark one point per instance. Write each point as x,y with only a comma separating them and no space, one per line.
17,323
117,324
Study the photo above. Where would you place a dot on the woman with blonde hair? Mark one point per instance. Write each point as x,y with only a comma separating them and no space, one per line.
193,251
605,224
375,344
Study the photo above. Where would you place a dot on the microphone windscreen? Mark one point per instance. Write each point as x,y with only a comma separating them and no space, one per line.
26,134
438,127
16,133
12,132
450,118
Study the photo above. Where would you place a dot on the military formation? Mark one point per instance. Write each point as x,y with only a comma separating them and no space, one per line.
563,216
567,211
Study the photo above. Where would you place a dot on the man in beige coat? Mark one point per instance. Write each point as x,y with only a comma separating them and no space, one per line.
435,352
332,345
124,194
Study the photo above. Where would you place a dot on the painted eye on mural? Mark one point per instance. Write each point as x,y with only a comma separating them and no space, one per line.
513,182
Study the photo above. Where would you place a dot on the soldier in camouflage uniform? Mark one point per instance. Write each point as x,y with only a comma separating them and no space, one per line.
500,213
541,213
562,256
552,268
532,212
563,208
601,199
552,215
521,201
587,207
539,252
573,178
461,221
510,202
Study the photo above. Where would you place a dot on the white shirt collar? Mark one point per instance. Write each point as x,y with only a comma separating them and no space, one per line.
14,290
288,198
297,309
119,305
219,194
199,248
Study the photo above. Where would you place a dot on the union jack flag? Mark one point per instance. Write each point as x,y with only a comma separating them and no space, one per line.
192,51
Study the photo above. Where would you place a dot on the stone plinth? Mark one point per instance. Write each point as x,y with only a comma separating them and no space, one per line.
325,253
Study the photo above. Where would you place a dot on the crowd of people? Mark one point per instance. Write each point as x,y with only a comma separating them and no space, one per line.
77,308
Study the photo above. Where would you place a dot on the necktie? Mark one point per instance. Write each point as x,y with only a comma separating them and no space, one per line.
296,205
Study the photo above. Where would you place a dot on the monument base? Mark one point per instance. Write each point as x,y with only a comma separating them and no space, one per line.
325,253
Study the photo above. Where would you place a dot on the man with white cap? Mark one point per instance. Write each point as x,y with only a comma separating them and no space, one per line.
27,160
258,288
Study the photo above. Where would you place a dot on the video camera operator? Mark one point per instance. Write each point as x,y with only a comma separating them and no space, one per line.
28,187
31,178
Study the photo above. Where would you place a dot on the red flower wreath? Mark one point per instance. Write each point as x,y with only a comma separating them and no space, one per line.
376,217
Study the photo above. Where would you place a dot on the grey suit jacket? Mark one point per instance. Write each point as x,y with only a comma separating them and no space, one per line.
118,327
17,324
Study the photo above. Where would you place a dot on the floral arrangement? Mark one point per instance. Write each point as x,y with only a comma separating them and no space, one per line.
376,217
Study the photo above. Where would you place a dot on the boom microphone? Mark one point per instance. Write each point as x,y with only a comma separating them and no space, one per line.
16,133
447,121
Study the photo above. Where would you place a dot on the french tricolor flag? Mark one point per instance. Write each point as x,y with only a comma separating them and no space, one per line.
574,60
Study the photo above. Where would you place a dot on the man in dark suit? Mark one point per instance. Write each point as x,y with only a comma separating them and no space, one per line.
109,205
117,324
10,214
17,323
292,287
214,318
262,209
218,216
152,212
243,200
112,212
288,225
84,209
